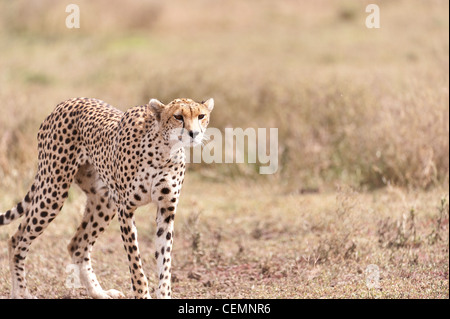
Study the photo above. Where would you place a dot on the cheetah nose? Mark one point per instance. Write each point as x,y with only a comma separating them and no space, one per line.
193,134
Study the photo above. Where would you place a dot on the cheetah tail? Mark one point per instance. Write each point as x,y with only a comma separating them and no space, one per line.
18,210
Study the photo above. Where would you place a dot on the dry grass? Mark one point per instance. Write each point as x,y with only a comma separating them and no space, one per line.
365,109
267,244
368,107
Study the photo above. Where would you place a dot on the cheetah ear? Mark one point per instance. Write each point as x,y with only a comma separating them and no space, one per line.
209,104
157,107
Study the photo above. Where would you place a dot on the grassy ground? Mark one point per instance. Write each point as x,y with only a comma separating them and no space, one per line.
362,106
364,109
266,243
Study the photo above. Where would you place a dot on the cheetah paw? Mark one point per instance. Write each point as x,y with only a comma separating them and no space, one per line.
114,294
22,295
107,294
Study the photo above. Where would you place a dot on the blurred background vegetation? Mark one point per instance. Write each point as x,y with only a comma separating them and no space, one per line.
365,107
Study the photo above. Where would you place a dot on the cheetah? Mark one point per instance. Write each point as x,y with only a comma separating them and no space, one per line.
121,161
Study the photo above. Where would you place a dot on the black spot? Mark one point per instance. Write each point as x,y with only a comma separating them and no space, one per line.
160,232
165,190
19,208
169,235
167,220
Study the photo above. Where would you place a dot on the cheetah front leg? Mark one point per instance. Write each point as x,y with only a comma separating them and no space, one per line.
167,205
129,237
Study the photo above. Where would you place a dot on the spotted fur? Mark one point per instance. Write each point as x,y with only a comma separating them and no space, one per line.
121,160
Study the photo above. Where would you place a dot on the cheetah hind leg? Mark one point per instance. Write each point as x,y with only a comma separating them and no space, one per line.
25,294
98,214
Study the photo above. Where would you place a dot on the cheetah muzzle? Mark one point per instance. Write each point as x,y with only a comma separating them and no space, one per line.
121,160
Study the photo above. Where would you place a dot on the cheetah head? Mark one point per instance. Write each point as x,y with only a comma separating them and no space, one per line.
182,120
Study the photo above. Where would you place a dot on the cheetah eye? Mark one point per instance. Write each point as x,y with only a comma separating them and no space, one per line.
201,116
178,117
